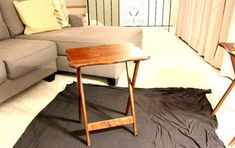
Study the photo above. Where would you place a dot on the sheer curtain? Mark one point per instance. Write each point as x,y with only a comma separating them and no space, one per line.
205,23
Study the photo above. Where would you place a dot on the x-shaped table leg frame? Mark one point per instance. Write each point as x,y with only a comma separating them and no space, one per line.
132,84
113,122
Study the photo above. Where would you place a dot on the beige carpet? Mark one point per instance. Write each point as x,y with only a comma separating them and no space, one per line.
172,64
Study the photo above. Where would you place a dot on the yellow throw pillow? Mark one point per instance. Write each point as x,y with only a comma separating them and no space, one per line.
37,15
61,13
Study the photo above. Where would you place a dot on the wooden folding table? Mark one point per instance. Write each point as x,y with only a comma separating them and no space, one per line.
106,54
230,48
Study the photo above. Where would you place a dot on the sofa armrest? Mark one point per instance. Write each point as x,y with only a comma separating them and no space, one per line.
76,20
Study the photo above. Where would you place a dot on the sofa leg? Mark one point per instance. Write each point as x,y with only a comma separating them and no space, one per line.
112,81
50,78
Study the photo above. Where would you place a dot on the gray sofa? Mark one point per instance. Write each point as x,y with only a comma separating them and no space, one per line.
25,60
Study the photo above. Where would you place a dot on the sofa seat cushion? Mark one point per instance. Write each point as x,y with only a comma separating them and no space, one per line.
23,56
3,75
89,36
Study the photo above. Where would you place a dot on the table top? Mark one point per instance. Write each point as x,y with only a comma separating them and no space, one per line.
229,47
105,54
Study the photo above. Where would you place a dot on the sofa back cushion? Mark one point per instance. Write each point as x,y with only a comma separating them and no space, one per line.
4,34
11,17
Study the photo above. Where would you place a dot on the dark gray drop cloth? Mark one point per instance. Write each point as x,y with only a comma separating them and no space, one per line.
166,118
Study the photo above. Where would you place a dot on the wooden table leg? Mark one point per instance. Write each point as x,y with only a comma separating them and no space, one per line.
131,100
232,143
223,98
83,103
79,103
137,63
